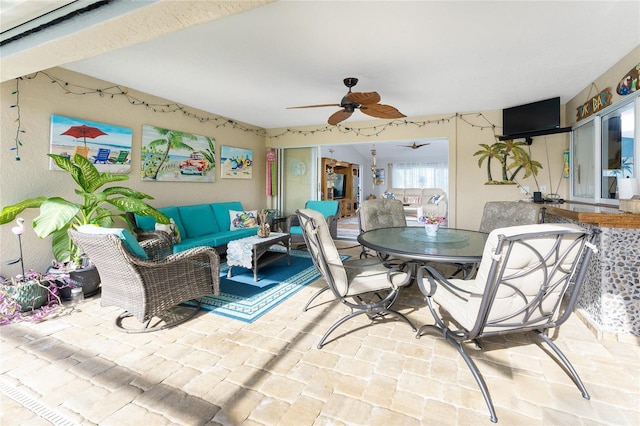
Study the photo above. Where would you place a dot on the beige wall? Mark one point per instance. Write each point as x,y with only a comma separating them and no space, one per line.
610,79
39,99
30,177
468,191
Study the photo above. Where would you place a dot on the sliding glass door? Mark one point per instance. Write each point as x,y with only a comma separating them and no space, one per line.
298,177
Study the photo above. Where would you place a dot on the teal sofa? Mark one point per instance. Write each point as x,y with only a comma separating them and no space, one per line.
199,225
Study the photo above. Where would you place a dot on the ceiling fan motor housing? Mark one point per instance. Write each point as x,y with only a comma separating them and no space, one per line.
350,82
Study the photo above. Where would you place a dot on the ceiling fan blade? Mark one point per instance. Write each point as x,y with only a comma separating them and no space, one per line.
364,98
381,111
315,106
339,116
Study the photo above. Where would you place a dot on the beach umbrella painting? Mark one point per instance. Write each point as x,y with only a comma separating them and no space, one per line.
83,132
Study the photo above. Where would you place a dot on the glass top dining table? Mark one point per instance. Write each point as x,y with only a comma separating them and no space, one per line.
412,242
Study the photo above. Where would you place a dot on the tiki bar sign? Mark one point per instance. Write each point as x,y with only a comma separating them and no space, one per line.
595,104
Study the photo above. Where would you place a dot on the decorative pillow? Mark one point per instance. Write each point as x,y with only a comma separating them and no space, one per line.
170,229
127,237
389,196
435,198
412,200
241,220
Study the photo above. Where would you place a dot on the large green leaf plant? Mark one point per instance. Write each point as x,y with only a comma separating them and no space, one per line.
57,215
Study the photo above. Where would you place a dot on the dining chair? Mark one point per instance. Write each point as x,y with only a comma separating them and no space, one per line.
500,214
146,279
380,213
366,286
528,281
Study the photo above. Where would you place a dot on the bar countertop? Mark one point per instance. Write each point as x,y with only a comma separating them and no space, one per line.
600,215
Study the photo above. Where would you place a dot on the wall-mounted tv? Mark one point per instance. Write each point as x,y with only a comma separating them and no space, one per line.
533,119
339,186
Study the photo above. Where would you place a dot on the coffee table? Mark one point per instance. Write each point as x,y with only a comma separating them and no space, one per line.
256,252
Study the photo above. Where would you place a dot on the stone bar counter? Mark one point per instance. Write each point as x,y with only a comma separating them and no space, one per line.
610,298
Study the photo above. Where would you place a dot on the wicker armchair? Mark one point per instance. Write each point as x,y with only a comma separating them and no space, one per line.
152,288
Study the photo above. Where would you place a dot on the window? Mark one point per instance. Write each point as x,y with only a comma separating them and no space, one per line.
604,150
420,175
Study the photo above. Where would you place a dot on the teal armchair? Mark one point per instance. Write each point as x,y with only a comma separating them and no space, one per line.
329,210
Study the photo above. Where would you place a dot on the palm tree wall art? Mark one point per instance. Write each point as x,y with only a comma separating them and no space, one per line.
512,158
172,155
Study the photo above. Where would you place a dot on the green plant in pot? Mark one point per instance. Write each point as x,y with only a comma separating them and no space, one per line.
98,207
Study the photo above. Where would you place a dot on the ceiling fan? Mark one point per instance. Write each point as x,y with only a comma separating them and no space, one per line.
416,146
367,102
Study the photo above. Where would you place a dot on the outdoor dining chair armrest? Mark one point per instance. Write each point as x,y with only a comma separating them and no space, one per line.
432,275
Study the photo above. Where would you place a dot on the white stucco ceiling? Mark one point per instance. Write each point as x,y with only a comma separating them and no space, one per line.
423,57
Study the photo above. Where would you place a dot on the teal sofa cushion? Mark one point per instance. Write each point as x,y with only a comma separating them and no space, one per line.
214,240
296,230
148,223
327,208
198,220
221,210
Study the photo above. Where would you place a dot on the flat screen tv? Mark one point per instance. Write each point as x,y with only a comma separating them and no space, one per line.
339,186
533,119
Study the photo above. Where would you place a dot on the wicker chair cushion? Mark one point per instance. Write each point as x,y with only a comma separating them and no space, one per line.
127,237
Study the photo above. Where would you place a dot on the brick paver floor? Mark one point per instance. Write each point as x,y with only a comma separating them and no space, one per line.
77,369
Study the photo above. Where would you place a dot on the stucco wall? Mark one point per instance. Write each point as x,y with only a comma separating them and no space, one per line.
31,177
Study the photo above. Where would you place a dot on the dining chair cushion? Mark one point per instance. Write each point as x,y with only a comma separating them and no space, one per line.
365,275
381,213
465,307
127,237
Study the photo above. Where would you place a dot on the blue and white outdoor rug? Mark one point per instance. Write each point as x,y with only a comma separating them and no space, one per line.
242,299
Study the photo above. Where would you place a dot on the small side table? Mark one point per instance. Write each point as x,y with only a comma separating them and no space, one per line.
276,222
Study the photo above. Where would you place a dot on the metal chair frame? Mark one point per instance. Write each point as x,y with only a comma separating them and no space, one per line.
562,266
376,292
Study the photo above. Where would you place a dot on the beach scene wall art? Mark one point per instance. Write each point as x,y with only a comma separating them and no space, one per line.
171,155
236,163
105,145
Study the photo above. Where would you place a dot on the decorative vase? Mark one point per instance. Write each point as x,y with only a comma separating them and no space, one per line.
264,230
431,229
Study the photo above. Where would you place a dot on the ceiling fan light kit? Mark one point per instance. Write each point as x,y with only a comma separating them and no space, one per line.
366,102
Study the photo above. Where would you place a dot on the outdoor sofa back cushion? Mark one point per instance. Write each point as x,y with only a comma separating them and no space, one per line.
198,220
221,210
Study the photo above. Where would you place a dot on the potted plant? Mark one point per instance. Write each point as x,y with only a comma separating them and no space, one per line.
30,297
57,215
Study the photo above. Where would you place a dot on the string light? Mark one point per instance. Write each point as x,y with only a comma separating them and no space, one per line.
112,92
18,121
